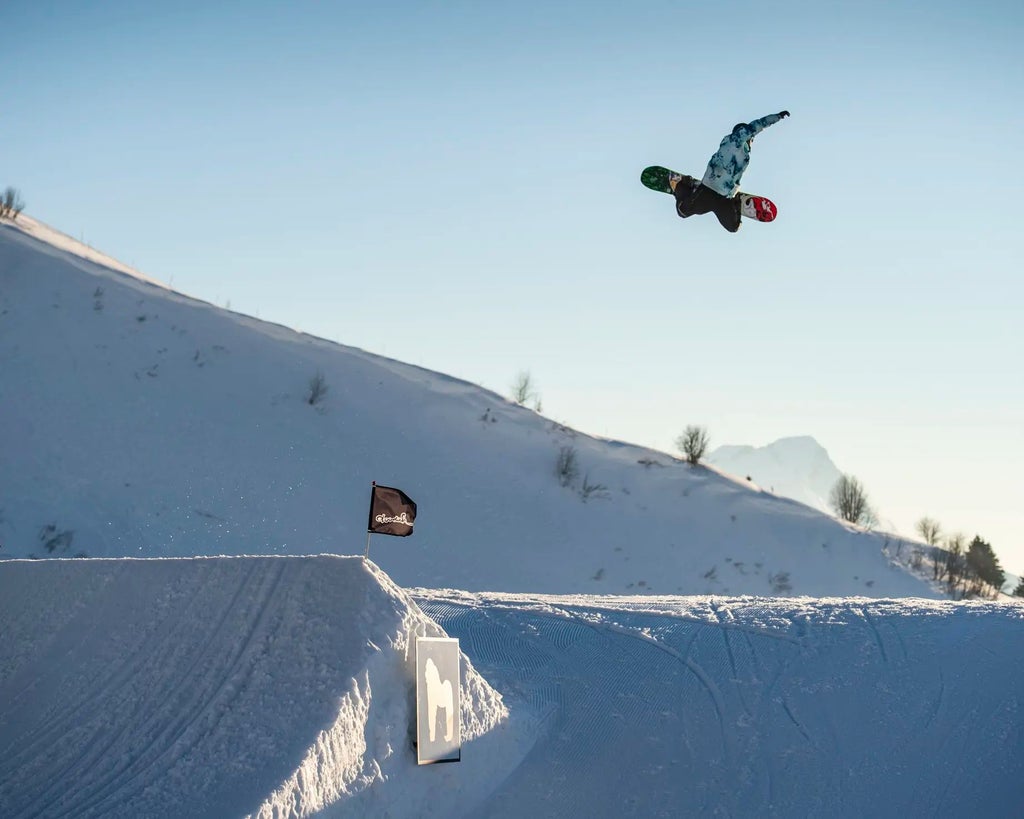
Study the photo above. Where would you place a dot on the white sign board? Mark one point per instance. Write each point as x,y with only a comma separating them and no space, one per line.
438,725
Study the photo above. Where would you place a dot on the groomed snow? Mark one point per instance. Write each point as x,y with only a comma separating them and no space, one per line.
282,687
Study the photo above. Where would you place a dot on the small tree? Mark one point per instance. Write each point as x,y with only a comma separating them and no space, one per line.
930,530
1019,591
11,204
931,533
523,390
955,564
849,500
693,443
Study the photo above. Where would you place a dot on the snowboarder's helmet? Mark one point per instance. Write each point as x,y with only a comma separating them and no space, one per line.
739,126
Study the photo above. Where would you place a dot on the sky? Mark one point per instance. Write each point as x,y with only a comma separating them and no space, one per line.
270,686
456,185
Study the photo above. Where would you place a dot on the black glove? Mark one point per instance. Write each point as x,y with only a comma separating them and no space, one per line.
783,114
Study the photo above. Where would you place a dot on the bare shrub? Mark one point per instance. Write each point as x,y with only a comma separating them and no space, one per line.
317,389
54,539
523,390
955,564
566,466
930,530
11,204
849,500
693,443
592,490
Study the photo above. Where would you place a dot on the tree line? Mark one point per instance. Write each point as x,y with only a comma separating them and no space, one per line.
966,569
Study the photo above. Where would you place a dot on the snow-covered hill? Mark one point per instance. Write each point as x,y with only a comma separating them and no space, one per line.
798,468
140,422
219,687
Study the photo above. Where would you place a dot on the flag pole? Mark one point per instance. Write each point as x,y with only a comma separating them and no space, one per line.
373,488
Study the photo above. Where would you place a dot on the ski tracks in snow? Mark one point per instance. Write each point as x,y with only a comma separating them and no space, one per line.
144,703
749,707
700,682
202,694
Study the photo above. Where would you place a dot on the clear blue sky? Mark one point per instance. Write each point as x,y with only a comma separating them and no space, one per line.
455,184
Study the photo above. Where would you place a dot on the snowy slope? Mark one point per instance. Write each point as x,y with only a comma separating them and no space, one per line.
798,468
141,422
281,686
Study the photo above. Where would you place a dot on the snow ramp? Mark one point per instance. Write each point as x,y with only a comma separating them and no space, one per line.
224,687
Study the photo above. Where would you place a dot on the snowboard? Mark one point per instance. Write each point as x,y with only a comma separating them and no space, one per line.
657,178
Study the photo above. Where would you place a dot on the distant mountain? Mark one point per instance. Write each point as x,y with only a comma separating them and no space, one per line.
798,468
141,422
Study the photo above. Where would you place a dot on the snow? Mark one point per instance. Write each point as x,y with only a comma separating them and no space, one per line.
641,651
55,243
269,686
223,686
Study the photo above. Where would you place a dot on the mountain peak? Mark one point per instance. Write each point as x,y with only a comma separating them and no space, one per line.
796,467
794,442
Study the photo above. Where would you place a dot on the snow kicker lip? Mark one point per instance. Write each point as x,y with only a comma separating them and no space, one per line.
208,686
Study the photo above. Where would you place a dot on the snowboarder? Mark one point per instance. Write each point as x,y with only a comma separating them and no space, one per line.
718,190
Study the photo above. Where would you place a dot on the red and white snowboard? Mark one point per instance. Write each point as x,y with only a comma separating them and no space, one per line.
757,207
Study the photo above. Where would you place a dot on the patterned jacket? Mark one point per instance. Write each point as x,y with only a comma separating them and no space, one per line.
727,165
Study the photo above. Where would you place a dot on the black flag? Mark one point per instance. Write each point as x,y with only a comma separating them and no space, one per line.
392,512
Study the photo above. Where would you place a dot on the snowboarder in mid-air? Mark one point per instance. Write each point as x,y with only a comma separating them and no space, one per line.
719,191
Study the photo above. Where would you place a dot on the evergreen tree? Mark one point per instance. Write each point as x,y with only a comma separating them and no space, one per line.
983,565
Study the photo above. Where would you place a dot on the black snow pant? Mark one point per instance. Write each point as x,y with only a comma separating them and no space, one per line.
693,198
